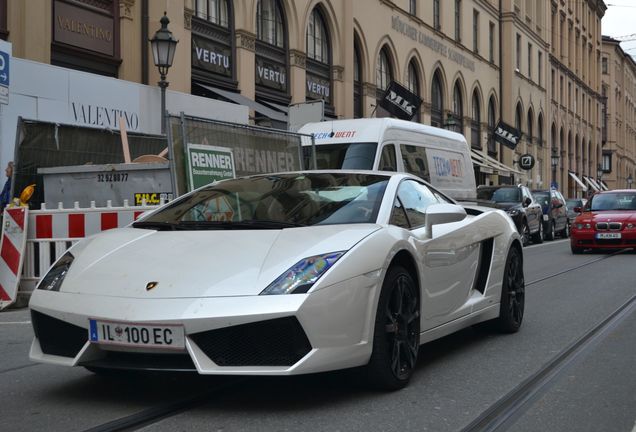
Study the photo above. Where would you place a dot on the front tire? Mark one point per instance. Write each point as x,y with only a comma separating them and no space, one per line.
551,234
538,236
396,338
524,232
513,293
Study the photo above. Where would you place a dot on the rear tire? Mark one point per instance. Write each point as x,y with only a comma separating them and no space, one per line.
524,232
538,236
513,294
566,231
396,337
550,235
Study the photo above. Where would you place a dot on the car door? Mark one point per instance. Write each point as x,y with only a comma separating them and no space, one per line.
561,211
447,263
534,213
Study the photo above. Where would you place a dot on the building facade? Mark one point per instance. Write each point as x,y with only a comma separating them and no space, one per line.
472,62
618,75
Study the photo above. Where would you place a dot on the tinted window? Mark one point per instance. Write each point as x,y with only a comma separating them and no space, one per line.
504,194
343,156
415,161
388,159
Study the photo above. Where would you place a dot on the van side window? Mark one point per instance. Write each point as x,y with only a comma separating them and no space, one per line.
388,159
413,199
415,161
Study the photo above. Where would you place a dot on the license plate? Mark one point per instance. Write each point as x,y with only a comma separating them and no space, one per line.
608,235
165,336
546,218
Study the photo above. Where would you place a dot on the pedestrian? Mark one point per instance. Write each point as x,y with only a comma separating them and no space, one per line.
5,196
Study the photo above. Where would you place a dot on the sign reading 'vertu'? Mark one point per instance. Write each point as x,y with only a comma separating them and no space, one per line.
507,135
400,101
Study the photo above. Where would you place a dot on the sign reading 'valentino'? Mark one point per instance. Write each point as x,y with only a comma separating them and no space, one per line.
400,101
83,28
211,57
101,116
435,45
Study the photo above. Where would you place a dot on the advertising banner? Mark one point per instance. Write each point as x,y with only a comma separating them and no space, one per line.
206,164
400,101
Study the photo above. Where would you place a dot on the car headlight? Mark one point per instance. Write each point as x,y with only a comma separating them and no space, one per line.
583,226
302,275
630,225
52,281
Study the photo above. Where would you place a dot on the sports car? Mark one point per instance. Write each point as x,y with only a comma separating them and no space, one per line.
608,221
283,274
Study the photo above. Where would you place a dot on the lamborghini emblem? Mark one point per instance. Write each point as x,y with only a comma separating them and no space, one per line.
151,285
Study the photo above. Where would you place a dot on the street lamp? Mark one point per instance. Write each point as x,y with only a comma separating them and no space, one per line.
451,122
630,180
554,161
163,48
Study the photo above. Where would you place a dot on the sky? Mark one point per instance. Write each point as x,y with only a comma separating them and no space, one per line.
619,22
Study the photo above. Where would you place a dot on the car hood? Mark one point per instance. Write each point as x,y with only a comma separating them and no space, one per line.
187,264
499,205
607,216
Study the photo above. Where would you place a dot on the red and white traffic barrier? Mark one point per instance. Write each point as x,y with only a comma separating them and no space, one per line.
12,245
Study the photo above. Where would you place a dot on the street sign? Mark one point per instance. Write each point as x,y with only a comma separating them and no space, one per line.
526,161
5,57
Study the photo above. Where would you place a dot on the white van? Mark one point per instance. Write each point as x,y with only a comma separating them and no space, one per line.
440,157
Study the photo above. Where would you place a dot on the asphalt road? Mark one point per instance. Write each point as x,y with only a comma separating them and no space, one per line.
458,378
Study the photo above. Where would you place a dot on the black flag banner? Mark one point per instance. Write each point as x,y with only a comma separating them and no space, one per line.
507,135
400,101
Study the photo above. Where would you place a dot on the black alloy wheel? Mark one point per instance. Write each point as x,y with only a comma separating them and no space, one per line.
524,232
513,293
396,337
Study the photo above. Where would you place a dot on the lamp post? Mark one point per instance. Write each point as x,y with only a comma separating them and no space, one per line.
163,49
630,180
554,161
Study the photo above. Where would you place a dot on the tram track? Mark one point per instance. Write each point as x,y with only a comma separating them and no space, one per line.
498,417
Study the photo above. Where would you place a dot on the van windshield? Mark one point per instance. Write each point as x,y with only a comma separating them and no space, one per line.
356,156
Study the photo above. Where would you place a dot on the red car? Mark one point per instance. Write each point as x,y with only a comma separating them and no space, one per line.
608,221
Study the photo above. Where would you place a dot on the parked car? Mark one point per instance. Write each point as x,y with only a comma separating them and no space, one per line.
282,274
608,221
555,214
520,205
575,208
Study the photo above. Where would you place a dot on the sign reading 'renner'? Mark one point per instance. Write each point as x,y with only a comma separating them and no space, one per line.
207,164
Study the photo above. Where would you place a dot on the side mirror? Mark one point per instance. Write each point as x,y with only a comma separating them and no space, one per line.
442,214
527,202
577,210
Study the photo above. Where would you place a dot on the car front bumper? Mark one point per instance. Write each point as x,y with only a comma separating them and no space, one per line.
587,239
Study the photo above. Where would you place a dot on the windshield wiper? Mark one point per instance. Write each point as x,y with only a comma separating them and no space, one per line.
159,226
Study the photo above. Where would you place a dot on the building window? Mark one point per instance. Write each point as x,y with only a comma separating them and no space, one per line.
436,15
476,31
540,131
606,162
518,53
318,59
413,7
357,80
475,124
214,11
437,102
383,72
269,23
458,109
492,148
604,67
518,115
540,66
458,20
413,83
491,43
530,128
529,60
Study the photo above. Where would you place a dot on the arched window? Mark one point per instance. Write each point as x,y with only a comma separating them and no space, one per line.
518,116
540,131
357,80
530,127
458,109
214,11
318,59
475,123
492,147
383,72
437,102
413,83
269,23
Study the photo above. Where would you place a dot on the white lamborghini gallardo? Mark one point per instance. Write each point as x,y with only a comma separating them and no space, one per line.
283,274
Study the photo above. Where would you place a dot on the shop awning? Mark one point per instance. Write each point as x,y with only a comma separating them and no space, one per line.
578,180
592,183
597,183
603,185
491,165
242,100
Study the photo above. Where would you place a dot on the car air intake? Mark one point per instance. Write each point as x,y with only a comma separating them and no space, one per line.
143,361
58,337
277,342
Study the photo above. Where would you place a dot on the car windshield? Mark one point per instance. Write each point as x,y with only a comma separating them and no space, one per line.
504,194
275,202
542,197
613,201
573,203
355,156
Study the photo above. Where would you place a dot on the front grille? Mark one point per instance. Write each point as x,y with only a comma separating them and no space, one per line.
611,226
58,337
277,342
143,361
609,242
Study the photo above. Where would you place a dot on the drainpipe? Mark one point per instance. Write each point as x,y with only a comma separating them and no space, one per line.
501,96
144,42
